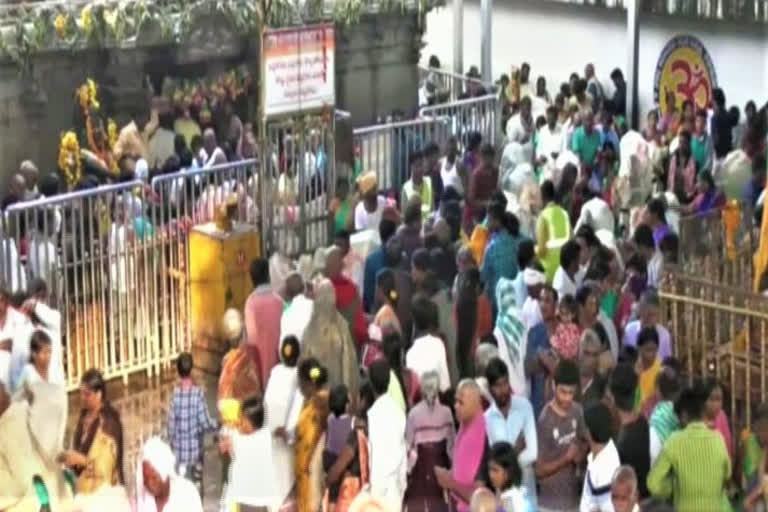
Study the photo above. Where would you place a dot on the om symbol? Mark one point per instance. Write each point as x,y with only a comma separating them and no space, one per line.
694,81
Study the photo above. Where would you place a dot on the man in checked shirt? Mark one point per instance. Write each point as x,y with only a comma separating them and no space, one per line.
188,422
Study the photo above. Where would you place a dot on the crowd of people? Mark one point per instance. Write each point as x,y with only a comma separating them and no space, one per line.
489,339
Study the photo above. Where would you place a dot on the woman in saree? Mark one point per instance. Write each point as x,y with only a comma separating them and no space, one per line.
351,467
96,456
474,319
310,434
327,338
403,383
386,320
239,377
707,197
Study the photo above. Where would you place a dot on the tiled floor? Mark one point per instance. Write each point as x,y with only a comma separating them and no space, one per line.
143,407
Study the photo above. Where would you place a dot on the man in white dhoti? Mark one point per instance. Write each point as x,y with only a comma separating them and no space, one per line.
386,440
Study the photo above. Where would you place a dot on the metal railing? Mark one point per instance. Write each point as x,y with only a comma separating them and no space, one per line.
92,248
449,86
716,10
116,257
298,184
754,11
466,116
386,148
721,332
185,199
707,246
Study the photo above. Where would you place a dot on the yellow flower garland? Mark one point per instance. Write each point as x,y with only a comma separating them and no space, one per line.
86,19
60,24
69,159
112,133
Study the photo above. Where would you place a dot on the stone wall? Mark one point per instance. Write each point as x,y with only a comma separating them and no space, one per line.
376,72
376,66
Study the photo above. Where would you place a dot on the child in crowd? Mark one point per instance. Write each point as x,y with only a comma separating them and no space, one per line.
188,422
505,477
648,365
340,425
565,339
251,474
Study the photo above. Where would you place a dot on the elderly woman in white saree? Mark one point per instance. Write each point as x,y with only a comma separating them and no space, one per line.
158,487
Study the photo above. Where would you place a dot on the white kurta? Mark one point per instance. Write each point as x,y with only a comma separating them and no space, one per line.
388,452
43,261
121,258
283,402
252,479
14,274
17,328
296,317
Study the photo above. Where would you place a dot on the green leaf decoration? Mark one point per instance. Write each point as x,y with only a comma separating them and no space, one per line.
28,30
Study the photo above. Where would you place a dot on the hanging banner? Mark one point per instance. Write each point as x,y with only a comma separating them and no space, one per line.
685,69
299,69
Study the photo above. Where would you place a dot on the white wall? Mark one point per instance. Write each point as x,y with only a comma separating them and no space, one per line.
558,39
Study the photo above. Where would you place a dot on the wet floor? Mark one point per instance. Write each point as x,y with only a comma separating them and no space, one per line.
143,407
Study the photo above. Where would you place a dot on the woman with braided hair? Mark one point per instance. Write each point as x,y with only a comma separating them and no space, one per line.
283,402
310,434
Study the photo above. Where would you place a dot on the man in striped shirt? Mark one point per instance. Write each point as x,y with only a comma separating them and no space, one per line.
693,466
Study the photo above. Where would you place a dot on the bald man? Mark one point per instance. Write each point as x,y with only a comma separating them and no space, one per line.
484,500
29,171
348,299
470,449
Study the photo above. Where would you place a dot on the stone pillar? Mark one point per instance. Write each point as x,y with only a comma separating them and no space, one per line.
486,12
458,36
633,58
